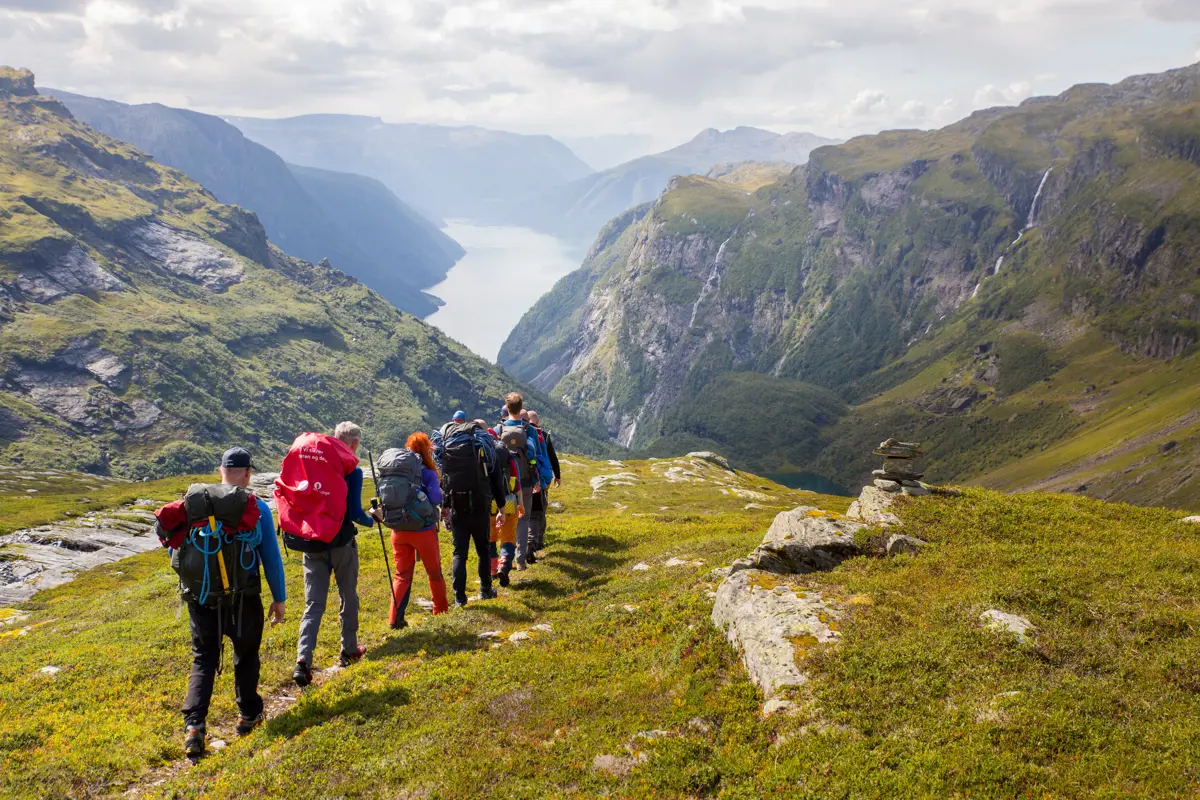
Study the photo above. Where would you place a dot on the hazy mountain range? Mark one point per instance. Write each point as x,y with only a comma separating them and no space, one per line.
576,211
353,221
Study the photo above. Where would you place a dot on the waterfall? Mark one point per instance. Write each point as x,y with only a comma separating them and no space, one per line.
714,280
1034,208
976,290
999,264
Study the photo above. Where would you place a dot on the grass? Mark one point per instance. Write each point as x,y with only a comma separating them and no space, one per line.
917,699
64,495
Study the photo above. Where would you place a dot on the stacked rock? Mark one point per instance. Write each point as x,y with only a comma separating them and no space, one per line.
899,474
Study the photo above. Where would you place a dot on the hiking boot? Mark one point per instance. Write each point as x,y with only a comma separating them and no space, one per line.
246,725
302,674
193,741
346,659
532,558
399,624
490,594
522,566
460,603
502,577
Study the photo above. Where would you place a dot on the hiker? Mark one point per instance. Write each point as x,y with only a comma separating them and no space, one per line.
541,500
465,457
410,492
504,529
219,535
521,440
335,557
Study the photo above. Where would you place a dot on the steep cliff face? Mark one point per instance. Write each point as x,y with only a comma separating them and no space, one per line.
144,324
881,267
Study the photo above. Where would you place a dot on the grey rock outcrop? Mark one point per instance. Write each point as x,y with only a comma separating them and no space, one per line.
712,458
74,272
898,544
1195,520
187,256
51,555
771,622
805,539
872,507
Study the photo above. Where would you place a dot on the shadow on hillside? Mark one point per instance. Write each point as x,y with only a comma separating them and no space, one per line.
410,642
363,705
605,544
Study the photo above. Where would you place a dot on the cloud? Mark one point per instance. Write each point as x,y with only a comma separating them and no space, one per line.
589,67
867,101
992,95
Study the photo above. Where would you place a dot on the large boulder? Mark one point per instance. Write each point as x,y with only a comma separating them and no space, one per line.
806,539
712,458
773,623
873,507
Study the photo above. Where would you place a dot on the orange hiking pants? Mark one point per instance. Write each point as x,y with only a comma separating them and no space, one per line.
407,546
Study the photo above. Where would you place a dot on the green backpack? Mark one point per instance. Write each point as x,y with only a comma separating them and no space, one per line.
216,559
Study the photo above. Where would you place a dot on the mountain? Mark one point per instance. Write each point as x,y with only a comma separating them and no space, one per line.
387,245
467,173
1019,290
612,149
144,325
579,209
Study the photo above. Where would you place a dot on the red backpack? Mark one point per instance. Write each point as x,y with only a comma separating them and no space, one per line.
311,488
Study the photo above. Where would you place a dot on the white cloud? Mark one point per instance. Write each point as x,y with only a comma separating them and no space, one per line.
589,67
866,102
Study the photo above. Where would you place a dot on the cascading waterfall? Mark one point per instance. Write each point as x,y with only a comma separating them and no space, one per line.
714,280
1030,223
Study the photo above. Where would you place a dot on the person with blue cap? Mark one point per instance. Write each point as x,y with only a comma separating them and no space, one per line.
459,416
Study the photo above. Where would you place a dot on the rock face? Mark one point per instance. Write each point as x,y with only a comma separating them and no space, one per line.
998,620
75,272
872,507
806,540
53,554
771,623
187,256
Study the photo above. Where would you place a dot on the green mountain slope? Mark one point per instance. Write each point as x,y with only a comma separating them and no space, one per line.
456,173
621,686
143,324
579,209
912,273
354,222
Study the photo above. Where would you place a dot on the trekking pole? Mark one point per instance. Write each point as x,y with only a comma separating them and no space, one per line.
379,525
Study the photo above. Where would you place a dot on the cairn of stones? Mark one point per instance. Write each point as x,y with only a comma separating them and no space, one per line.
900,474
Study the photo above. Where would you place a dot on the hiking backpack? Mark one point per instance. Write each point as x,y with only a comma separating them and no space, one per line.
406,506
217,554
516,439
311,488
466,460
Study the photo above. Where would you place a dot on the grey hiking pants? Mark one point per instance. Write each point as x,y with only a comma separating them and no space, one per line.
340,563
523,528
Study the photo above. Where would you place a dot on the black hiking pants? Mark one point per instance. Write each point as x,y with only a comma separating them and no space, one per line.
467,527
241,621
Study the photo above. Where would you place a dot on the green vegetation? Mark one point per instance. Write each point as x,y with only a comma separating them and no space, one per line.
286,347
916,699
63,495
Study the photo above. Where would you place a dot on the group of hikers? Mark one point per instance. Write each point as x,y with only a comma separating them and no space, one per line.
489,485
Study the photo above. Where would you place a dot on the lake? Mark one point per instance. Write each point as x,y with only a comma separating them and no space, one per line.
476,312
810,482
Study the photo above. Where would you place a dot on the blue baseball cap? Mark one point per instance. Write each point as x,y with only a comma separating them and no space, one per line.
459,416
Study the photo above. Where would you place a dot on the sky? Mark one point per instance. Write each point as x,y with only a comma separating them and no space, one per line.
604,72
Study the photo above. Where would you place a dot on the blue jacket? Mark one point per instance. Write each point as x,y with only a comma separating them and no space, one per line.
268,553
535,448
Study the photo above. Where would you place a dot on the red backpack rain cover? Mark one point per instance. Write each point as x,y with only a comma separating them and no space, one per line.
311,488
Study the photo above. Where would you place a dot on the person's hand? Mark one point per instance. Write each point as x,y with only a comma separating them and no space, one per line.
521,512
557,482
375,514
537,488
275,613
500,520
445,515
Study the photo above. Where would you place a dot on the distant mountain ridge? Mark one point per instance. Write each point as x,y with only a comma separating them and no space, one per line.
454,172
578,210
386,244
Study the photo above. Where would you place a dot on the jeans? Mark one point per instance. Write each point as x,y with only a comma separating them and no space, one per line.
340,563
467,527
241,620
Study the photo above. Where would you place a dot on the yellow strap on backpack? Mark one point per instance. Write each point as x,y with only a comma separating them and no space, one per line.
212,526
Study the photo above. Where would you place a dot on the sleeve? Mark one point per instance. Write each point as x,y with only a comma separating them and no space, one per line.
499,486
354,489
553,457
432,486
268,554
